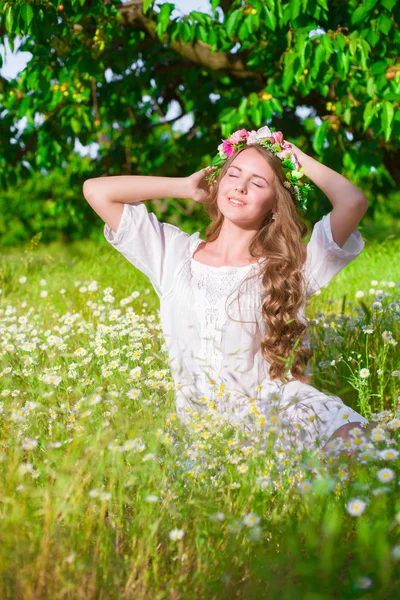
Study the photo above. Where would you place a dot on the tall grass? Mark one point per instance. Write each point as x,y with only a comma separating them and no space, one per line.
105,495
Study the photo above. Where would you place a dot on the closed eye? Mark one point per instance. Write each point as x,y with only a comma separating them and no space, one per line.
260,186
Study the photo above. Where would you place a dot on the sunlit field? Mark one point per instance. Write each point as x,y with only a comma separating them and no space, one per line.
104,494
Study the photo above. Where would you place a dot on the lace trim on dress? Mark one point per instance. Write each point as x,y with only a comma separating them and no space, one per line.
212,286
210,292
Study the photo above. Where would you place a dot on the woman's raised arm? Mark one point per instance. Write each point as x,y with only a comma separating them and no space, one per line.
127,189
107,195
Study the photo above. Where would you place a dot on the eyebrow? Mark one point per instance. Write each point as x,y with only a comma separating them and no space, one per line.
253,174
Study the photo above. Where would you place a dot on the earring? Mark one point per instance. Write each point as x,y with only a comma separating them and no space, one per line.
274,215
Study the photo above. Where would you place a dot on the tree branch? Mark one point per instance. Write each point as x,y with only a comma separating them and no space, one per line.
152,125
197,52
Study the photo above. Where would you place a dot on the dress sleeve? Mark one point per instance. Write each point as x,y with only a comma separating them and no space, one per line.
325,258
147,243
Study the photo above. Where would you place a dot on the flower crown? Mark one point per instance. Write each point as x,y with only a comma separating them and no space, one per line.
273,140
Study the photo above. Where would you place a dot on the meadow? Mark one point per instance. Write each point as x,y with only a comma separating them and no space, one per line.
104,494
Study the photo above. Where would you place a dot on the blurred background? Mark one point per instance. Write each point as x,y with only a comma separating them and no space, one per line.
90,88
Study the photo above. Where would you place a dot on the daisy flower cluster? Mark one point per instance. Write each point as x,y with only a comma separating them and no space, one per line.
87,399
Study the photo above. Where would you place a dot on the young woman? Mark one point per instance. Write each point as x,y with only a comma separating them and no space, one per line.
232,306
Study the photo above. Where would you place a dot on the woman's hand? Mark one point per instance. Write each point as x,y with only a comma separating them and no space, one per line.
299,153
198,188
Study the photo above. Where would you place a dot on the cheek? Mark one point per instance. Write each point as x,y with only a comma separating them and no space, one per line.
223,184
223,189
258,196
264,195
261,201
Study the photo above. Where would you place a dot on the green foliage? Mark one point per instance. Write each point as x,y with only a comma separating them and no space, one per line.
242,66
48,206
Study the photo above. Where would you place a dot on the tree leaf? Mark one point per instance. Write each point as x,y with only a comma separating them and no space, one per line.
27,14
256,115
353,46
242,107
200,17
276,105
227,113
202,34
319,137
295,6
340,41
187,33
319,58
288,73
243,31
253,98
76,125
212,39
387,117
371,87
347,116
232,21
384,23
369,113
300,47
10,19
146,5
379,67
370,4
345,62
323,4
359,14
363,56
163,18
269,18
372,37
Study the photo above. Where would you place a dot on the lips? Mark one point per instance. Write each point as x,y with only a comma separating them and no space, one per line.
237,199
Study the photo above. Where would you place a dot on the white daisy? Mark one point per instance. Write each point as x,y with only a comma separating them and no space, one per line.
151,498
385,475
251,519
356,507
176,534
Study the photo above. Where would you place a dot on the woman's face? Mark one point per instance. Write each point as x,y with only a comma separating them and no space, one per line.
250,180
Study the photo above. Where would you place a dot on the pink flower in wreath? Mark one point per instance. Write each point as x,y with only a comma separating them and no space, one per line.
227,147
238,136
276,137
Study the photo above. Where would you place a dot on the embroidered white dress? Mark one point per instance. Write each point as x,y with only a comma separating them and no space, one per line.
211,319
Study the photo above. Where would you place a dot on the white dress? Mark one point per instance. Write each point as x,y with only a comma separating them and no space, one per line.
213,338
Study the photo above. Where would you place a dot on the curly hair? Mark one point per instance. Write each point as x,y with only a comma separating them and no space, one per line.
279,242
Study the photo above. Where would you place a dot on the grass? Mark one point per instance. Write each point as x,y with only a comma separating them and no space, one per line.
105,495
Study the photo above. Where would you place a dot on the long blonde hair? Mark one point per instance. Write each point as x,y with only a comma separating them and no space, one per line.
279,242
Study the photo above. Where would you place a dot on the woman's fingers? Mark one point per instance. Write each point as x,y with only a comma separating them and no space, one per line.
210,169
